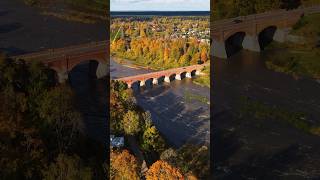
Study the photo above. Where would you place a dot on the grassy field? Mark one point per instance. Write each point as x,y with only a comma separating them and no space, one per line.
300,60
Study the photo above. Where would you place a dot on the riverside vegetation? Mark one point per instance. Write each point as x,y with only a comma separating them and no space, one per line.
40,127
299,59
129,120
257,110
84,11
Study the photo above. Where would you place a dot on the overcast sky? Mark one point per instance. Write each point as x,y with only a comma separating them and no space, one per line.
160,5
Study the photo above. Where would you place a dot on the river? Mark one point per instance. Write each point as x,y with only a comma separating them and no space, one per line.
270,149
179,118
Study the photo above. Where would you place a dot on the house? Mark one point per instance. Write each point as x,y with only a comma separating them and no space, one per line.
117,142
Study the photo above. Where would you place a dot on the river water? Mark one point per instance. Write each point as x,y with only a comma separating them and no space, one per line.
271,149
179,118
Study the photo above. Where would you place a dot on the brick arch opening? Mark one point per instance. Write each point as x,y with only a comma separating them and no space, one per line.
148,82
172,76
83,71
266,35
183,74
233,43
135,84
161,79
193,72
53,76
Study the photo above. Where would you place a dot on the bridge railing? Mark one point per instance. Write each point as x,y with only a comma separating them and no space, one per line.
55,51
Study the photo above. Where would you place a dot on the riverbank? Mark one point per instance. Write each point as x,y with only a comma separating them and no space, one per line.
299,59
130,63
89,12
202,80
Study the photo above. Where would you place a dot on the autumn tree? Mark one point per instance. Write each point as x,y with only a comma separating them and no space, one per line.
121,100
58,110
204,55
69,168
132,123
152,140
123,166
162,170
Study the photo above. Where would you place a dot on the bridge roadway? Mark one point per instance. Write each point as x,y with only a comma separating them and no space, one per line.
274,25
62,60
178,74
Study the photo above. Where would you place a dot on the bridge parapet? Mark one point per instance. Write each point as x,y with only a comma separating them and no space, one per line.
62,60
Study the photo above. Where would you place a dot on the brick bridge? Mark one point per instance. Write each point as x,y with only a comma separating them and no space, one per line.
249,31
166,75
62,60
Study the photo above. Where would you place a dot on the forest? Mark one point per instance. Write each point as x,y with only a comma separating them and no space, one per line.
161,43
129,120
40,127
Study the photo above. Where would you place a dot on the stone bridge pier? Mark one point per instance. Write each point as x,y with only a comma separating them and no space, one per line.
250,42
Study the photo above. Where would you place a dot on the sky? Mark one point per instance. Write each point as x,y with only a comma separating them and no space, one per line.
160,5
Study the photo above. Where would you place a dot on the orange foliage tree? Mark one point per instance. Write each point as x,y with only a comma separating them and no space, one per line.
123,166
163,170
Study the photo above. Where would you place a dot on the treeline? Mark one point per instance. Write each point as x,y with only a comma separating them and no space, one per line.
129,120
157,26
40,128
164,53
233,8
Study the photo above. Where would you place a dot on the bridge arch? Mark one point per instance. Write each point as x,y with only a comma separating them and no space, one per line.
148,82
161,79
233,43
183,74
83,71
193,72
266,36
172,76
135,84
